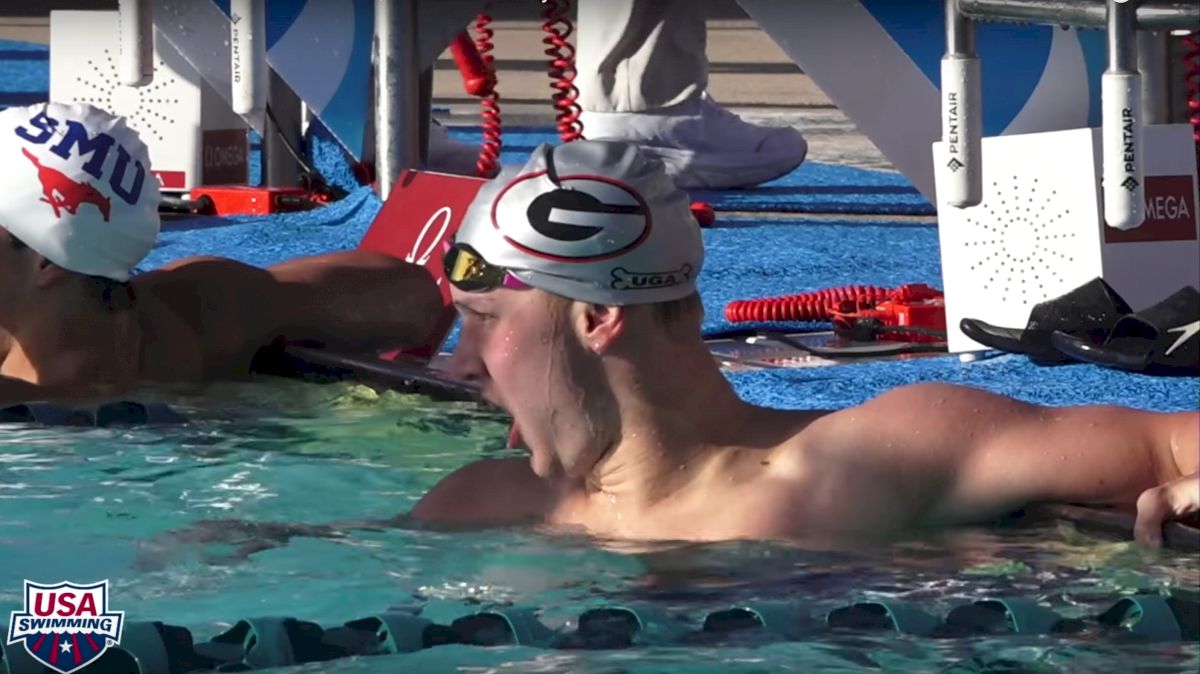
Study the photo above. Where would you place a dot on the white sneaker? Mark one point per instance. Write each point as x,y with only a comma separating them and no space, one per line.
703,145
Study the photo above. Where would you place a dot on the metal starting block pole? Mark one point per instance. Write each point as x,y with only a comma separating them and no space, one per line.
1121,88
397,91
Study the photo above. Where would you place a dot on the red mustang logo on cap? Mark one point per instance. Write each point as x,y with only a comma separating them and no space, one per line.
64,194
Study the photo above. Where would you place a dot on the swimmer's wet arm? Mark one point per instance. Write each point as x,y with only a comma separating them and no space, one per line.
981,455
356,301
488,493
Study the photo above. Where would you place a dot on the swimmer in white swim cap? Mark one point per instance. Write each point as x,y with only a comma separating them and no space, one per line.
79,212
575,276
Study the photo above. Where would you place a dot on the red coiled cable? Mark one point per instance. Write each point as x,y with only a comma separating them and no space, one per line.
562,68
820,305
489,151
1191,78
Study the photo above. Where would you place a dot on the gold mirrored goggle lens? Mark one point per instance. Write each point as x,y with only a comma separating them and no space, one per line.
468,271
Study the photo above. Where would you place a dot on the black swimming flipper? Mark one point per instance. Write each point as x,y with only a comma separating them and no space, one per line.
1163,339
1087,312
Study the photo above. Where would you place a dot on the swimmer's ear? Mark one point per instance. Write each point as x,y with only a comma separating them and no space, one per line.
597,325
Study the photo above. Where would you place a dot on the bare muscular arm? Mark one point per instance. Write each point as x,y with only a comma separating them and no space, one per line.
957,454
354,301
357,300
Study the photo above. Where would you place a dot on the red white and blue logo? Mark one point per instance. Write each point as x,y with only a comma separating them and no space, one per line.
66,626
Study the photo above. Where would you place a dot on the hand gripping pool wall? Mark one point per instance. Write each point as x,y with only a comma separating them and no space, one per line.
880,62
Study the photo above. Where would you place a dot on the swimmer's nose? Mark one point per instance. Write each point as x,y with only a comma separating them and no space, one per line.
465,363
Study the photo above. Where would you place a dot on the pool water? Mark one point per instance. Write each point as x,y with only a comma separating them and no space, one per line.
224,518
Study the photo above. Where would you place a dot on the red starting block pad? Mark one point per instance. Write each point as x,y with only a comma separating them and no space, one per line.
423,211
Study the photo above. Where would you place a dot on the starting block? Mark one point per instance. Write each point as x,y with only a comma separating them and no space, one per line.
1040,232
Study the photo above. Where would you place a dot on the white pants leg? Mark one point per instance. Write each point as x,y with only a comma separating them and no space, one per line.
643,78
639,55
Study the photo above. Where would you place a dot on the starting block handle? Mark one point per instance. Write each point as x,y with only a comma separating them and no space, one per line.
962,112
1121,122
135,25
248,57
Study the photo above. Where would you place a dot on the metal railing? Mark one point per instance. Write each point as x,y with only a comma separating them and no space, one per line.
1150,14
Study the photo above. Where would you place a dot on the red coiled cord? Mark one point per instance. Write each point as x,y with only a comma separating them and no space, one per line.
562,68
820,305
489,152
1191,78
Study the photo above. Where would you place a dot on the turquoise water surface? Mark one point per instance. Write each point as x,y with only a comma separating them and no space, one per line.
224,518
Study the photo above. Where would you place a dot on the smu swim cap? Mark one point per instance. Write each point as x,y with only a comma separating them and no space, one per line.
594,221
77,188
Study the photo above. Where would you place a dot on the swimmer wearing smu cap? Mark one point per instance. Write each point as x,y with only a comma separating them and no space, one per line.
575,277
79,211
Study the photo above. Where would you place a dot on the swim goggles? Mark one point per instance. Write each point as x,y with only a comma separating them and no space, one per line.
468,271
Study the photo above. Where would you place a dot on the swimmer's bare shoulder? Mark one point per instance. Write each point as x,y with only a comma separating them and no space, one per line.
775,478
492,492
829,476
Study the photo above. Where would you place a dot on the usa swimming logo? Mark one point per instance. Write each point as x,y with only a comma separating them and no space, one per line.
66,626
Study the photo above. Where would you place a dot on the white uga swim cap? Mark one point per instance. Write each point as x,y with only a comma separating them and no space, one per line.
77,188
594,221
